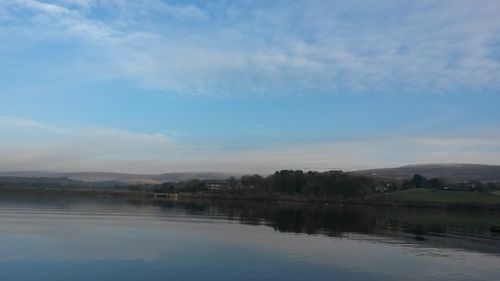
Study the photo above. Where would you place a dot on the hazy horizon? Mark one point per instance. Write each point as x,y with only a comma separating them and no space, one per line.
264,173
247,87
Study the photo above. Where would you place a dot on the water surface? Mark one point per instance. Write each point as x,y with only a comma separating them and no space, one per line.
47,237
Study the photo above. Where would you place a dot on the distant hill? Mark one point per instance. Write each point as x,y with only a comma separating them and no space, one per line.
452,172
57,183
119,177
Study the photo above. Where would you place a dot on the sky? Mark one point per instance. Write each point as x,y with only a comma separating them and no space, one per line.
247,86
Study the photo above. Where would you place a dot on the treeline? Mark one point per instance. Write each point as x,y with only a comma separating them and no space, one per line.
315,183
332,183
319,184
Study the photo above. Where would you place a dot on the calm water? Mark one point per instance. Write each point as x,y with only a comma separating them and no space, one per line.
75,238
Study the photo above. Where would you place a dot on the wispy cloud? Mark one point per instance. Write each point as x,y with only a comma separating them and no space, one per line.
42,6
303,47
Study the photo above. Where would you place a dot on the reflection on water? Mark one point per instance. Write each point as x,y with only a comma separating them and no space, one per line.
83,238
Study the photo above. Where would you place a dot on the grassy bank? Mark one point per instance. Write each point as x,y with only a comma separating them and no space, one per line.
443,196
422,198
439,198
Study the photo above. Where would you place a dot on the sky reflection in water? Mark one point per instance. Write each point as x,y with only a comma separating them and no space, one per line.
70,238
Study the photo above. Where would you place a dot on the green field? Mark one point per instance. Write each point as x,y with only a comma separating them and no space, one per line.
442,196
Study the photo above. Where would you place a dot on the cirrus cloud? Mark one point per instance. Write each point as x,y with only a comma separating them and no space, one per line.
275,48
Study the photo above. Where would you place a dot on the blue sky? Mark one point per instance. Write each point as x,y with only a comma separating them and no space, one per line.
247,86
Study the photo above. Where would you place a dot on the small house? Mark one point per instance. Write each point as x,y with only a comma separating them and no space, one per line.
217,185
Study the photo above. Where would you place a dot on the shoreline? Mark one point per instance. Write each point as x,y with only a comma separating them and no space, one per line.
378,200
371,202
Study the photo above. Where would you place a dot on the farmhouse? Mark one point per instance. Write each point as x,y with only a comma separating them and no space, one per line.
217,185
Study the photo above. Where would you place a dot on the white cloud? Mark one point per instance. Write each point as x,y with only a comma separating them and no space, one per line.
10,123
179,11
303,47
41,6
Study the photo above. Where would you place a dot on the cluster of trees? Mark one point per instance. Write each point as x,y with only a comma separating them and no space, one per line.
419,181
320,184
194,185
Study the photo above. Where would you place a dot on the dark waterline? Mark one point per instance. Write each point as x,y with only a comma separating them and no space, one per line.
47,237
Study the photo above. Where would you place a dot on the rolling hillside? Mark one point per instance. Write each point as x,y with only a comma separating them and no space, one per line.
119,177
452,172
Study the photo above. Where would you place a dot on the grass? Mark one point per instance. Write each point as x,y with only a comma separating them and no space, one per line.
442,196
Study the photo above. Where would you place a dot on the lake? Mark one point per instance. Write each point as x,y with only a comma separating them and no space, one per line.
62,237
